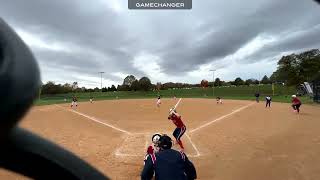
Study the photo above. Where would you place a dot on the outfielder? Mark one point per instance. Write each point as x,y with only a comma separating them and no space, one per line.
268,101
74,101
159,101
180,127
296,103
257,95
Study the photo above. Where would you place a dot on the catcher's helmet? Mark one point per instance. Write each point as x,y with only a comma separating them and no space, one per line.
165,142
155,138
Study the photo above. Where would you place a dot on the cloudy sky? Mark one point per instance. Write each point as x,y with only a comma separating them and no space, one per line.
75,39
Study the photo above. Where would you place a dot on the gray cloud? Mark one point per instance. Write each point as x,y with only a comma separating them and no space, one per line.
272,19
298,42
184,40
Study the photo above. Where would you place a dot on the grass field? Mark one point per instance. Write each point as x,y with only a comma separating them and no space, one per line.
281,94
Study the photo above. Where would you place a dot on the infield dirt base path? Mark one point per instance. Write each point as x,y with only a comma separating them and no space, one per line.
235,140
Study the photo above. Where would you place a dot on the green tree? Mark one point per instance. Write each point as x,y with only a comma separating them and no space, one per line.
249,82
159,86
295,69
113,88
135,85
105,89
310,64
145,83
129,80
238,81
274,77
123,88
217,82
96,89
265,80
74,85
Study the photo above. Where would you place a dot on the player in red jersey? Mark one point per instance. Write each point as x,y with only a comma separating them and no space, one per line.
296,103
180,129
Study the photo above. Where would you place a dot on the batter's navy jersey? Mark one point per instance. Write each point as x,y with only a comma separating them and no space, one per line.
169,165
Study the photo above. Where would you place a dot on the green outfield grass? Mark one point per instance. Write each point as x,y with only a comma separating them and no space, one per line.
281,94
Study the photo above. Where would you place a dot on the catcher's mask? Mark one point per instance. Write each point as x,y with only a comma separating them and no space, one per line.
155,139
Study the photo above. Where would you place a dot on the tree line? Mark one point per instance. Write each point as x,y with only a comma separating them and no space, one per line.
292,70
295,69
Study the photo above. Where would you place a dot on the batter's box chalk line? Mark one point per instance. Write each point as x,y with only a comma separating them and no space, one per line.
135,145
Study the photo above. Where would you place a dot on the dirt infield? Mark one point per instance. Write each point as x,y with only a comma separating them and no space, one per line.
235,140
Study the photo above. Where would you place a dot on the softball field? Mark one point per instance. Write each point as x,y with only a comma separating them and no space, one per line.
235,140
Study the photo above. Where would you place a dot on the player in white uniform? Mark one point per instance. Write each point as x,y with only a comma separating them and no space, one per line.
74,101
158,101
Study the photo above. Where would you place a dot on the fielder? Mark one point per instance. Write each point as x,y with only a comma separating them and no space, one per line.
257,95
91,99
74,101
296,103
268,101
219,100
158,101
180,127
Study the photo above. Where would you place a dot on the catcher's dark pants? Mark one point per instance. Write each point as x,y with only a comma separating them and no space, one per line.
296,107
178,132
268,103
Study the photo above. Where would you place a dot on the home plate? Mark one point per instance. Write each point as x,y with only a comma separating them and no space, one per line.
135,145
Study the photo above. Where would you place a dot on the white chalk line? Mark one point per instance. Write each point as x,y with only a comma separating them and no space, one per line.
146,144
194,147
118,152
94,119
221,117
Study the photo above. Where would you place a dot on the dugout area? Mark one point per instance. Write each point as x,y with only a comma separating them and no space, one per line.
316,90
235,140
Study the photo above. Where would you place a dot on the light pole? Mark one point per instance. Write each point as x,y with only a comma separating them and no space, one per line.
101,79
213,70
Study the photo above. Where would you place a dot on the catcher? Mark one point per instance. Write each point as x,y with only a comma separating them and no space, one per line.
154,147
